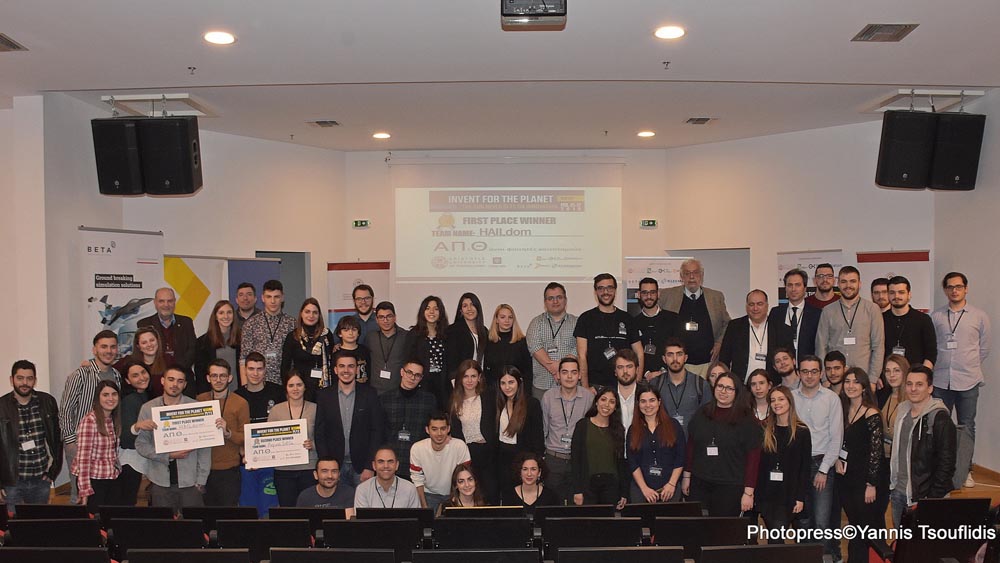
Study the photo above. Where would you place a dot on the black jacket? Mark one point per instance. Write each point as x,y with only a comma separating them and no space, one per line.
808,326
933,443
487,422
461,346
736,345
367,426
580,469
9,446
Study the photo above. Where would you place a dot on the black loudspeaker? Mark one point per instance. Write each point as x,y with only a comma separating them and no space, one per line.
904,155
171,155
956,151
116,150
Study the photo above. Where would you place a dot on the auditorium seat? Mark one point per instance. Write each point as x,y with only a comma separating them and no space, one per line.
402,535
649,512
477,556
109,513
639,554
210,514
572,511
315,516
590,532
301,555
791,553
73,532
259,536
126,534
50,511
482,533
188,556
695,532
54,555
424,515
485,512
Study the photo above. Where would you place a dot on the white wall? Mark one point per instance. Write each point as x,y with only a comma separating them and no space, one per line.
8,331
257,195
966,230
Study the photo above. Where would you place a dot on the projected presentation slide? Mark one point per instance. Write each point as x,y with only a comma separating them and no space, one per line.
499,234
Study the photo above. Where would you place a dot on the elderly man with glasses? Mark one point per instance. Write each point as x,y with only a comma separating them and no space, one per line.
703,316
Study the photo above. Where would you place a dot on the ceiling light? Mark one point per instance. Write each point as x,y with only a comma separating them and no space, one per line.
381,135
220,38
669,32
646,134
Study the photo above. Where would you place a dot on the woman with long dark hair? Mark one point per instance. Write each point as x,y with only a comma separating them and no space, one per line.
292,480
464,490
308,349
96,464
597,455
133,465
221,341
147,349
467,335
760,384
723,451
783,481
519,422
862,483
655,450
473,419
530,472
428,345
506,346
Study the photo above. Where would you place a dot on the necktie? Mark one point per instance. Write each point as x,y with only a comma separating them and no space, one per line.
795,319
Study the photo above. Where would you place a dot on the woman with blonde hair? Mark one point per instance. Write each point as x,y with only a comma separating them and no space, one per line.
506,346
785,461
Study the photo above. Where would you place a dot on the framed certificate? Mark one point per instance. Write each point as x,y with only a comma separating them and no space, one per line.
187,427
276,444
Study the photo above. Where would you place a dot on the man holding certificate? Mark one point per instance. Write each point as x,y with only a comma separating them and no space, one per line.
178,477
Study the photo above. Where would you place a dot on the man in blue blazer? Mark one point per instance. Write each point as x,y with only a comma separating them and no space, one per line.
801,318
355,408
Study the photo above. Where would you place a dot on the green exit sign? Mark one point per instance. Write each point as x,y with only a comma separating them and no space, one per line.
362,223
648,223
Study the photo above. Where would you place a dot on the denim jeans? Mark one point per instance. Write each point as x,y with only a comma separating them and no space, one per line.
964,403
819,508
28,491
897,499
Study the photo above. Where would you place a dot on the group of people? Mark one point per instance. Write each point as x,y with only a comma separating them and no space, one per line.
789,413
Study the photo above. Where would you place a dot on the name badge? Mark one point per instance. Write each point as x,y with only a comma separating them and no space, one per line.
712,451
850,341
384,374
27,445
316,373
899,350
680,419
760,357
951,345
649,349
271,355
621,329
887,440
655,471
691,326
843,454
566,439
404,435
777,476
609,353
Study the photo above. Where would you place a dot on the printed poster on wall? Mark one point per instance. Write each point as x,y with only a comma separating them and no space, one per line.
666,270
343,277
914,265
198,281
119,271
806,260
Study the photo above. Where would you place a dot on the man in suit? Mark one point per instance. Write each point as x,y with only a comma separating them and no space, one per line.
350,410
801,318
703,315
751,341
176,333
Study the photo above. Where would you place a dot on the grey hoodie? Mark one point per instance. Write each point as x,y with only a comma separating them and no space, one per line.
904,408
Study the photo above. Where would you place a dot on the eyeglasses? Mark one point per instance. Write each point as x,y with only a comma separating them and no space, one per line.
810,371
823,276
384,317
413,373
555,297
652,293
363,299
726,388
689,273
954,287
218,376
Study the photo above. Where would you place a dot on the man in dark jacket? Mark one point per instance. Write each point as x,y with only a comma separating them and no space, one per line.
924,445
30,440
176,332
350,422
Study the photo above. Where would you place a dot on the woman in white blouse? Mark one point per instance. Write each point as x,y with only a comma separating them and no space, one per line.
473,419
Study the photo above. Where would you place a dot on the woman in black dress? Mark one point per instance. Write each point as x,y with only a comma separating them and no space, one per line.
861,483
427,344
519,423
467,335
783,483
506,346
531,491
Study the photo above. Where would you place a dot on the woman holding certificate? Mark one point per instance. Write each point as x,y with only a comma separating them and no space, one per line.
292,480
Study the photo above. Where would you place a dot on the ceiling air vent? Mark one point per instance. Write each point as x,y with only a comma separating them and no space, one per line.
326,123
8,45
884,32
698,120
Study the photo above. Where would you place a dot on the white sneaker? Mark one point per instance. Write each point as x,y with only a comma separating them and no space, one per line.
969,481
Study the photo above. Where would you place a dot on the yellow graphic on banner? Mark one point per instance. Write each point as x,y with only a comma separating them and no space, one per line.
191,291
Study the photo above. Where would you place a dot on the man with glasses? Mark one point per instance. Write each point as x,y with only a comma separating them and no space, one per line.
407,408
702,315
223,486
963,344
853,326
388,346
823,279
550,338
655,326
820,409
600,332
364,299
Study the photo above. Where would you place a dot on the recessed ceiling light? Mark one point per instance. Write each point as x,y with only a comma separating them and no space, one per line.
220,38
669,32
381,135
646,134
